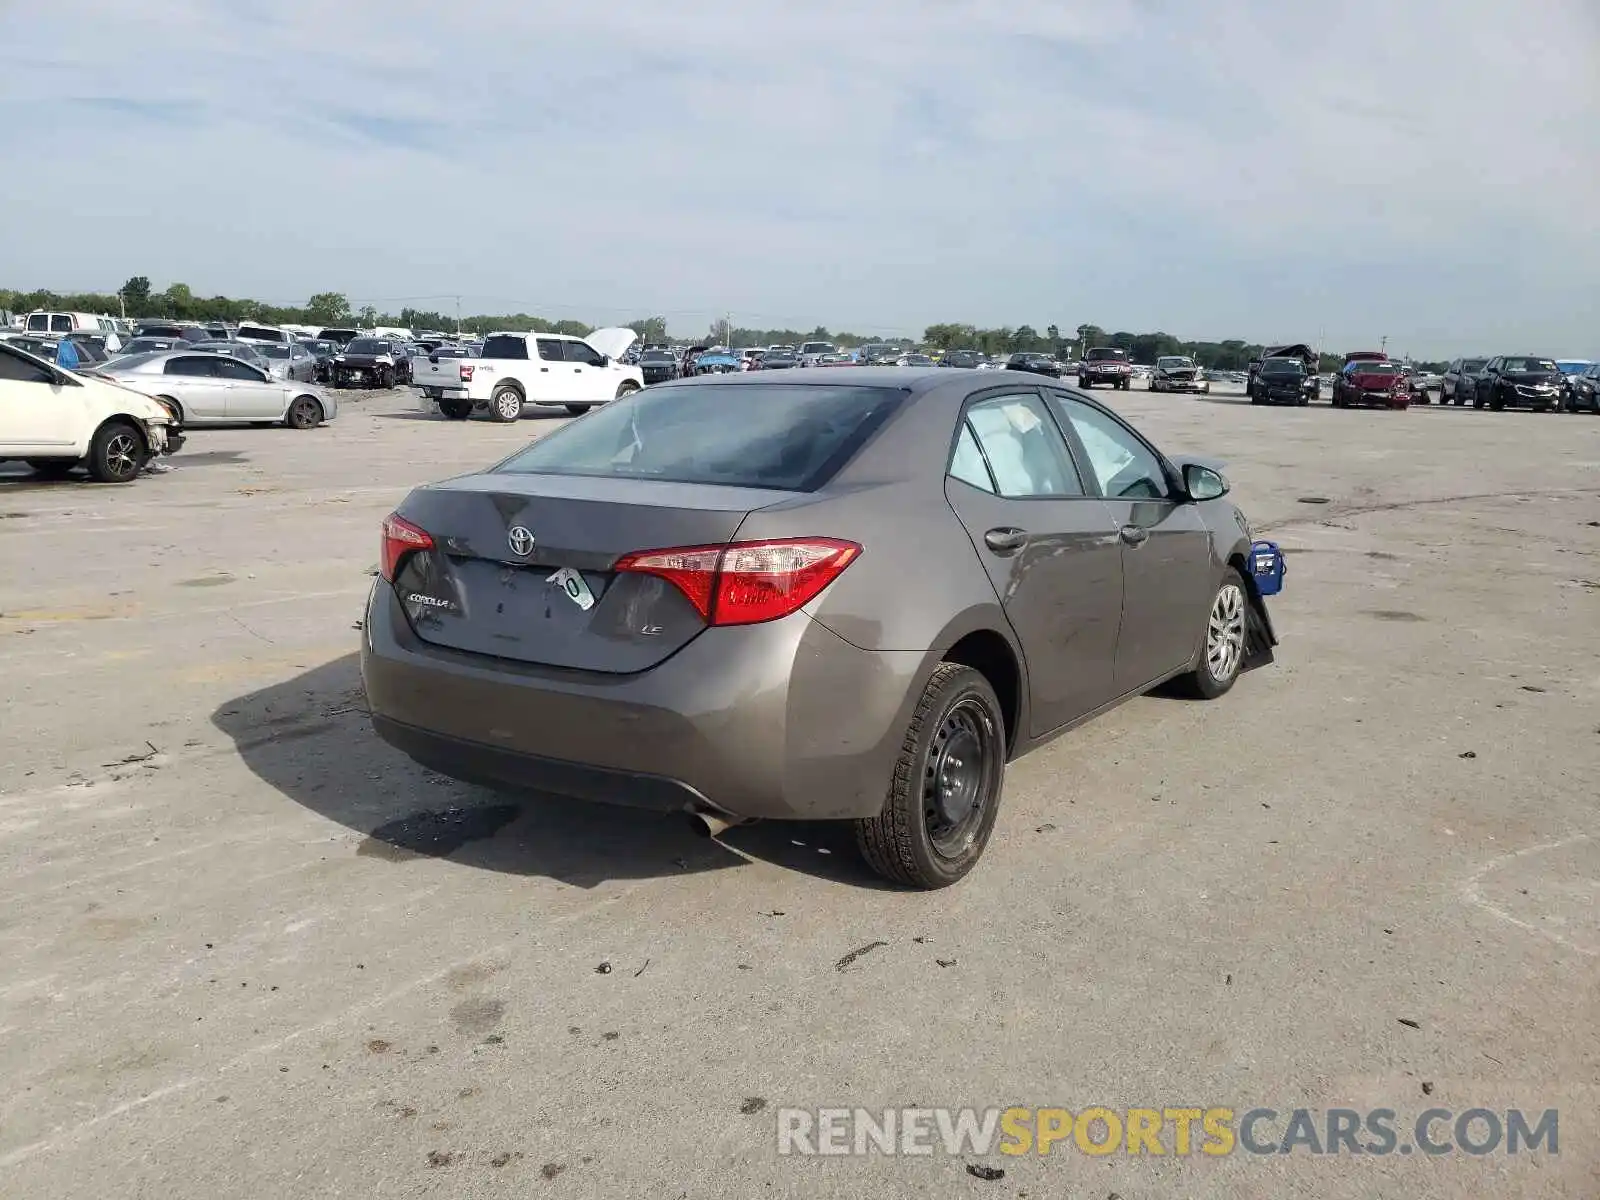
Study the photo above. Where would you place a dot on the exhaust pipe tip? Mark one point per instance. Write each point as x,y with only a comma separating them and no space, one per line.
712,825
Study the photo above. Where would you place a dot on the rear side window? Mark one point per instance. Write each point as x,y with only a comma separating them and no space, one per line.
39,323
60,323
505,346
550,350
194,366
789,438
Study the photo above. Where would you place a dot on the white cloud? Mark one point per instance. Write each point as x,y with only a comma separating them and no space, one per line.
1240,167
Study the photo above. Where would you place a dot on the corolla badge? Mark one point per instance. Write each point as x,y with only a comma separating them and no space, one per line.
520,539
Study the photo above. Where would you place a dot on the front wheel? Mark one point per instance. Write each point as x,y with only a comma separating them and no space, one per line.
116,453
1222,652
578,410
944,794
304,413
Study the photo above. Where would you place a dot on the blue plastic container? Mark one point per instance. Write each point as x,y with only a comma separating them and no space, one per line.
1268,566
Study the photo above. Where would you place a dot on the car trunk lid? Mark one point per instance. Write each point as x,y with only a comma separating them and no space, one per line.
483,589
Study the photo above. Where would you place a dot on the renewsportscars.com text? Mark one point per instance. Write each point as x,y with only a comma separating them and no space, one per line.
1179,1132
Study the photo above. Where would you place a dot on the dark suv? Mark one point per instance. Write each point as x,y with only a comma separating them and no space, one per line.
1106,364
1520,381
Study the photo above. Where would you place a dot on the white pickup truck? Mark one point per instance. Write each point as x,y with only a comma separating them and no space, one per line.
519,369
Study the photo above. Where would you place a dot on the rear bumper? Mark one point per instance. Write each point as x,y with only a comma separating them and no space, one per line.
784,720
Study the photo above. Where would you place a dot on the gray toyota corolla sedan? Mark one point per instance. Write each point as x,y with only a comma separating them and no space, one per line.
778,595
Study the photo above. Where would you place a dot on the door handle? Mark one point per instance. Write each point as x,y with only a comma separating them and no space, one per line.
1006,540
1134,535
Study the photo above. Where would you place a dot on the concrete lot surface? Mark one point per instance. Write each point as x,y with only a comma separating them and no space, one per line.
250,951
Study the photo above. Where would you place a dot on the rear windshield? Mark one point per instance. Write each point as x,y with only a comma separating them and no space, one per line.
505,346
261,333
788,438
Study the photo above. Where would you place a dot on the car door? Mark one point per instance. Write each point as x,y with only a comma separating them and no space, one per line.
591,374
1168,571
1049,546
252,394
38,412
551,379
191,380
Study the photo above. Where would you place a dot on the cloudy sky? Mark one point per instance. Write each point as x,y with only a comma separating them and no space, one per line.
1425,170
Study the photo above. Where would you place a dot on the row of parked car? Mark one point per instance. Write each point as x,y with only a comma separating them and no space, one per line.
1522,381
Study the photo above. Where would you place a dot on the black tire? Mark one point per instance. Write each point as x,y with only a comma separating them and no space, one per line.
912,841
53,468
385,379
456,410
624,390
117,453
505,404
578,410
1223,644
305,412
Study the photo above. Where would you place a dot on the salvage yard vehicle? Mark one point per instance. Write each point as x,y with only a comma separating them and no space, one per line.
1035,364
56,420
198,388
659,366
1371,381
1178,373
515,370
1283,381
811,352
1106,364
1520,381
371,362
1459,383
1583,391
713,596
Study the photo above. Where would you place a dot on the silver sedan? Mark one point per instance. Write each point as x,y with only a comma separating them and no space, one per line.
204,388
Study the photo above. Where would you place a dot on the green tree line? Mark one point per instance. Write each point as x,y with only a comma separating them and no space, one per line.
138,299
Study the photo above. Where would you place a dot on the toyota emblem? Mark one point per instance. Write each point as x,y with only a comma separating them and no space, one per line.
520,539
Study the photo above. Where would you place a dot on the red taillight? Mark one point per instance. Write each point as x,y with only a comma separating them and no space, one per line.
400,538
745,583
466,373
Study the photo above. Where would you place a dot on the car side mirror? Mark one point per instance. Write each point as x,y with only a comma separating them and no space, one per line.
1202,483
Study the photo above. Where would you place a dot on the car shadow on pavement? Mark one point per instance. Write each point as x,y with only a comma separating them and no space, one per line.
309,739
537,414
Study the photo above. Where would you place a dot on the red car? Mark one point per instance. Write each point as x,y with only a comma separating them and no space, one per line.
1371,380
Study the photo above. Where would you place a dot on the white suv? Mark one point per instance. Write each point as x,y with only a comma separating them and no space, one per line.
56,420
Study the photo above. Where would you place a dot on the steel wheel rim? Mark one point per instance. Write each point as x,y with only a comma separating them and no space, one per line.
957,777
1225,633
122,454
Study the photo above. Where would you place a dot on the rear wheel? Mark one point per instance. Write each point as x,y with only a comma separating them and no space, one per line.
506,403
116,453
456,410
627,389
1222,651
944,795
304,413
